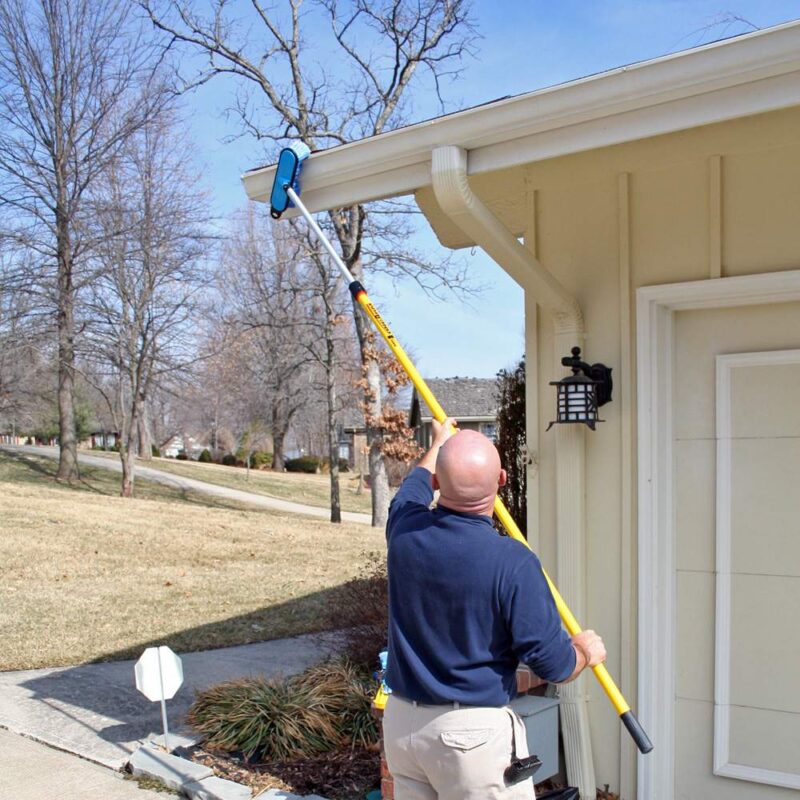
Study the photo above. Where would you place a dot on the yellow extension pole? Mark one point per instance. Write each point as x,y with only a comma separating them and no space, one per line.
567,617
570,623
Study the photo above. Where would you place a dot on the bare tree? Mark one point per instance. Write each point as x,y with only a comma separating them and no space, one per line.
77,78
326,339
262,280
26,354
145,300
382,48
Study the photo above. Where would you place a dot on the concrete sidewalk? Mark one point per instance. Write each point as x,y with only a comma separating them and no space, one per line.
179,482
95,711
33,771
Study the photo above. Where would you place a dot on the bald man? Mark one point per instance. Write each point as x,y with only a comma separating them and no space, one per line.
465,607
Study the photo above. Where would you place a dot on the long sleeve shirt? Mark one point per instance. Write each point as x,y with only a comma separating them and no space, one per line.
465,606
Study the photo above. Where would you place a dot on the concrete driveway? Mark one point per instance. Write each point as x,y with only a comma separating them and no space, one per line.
31,771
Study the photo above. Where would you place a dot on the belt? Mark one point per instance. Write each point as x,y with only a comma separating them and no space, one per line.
454,704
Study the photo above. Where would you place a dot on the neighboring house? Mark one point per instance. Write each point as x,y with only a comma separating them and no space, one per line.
651,214
353,440
174,446
105,439
471,401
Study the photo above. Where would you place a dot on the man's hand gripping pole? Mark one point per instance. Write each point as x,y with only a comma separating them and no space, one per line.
570,623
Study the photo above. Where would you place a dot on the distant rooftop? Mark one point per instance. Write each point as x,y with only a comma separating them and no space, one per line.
460,397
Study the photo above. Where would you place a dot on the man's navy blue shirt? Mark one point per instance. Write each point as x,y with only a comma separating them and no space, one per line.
465,606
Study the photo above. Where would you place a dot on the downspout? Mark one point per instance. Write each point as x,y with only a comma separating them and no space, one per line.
456,199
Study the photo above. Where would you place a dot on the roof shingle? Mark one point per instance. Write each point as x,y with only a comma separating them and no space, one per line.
462,397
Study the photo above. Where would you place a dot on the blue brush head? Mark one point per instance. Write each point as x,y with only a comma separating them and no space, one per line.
290,162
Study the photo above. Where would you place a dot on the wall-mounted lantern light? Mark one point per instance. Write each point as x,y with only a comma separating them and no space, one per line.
583,392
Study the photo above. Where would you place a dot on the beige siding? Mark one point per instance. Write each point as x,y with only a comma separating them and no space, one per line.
764,509
723,198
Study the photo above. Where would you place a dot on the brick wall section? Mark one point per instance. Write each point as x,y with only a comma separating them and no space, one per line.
524,681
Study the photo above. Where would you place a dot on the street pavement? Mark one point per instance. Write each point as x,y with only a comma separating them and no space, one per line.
33,771
179,482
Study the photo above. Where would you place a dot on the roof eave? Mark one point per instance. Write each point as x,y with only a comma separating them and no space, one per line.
747,75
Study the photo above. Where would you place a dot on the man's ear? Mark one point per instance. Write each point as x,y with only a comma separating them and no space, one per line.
501,481
435,482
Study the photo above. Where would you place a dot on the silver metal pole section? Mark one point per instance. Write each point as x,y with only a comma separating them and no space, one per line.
295,198
163,703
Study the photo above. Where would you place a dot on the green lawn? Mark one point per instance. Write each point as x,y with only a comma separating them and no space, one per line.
313,490
88,575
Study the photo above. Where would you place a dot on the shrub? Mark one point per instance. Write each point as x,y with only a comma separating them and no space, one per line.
310,464
229,460
156,453
344,465
510,395
322,709
182,456
360,609
261,458
205,457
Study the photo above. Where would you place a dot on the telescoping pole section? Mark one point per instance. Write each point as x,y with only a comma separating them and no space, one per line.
570,623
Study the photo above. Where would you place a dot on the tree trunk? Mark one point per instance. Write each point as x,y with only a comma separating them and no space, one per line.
128,459
278,435
128,438
333,439
145,447
67,440
277,455
378,477
215,430
186,447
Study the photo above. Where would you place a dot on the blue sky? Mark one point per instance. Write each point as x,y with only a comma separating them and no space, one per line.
525,45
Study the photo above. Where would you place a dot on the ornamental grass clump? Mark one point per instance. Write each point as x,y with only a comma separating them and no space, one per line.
325,708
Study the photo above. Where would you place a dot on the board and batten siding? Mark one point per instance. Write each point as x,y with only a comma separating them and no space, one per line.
720,200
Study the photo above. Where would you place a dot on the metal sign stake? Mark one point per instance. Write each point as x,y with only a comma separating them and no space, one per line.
163,703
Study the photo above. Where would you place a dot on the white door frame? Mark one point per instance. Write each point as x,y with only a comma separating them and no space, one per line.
655,309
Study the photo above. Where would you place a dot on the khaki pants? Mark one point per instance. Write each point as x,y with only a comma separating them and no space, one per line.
452,753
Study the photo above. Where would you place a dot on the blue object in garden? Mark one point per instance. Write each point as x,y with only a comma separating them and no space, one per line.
375,794
383,657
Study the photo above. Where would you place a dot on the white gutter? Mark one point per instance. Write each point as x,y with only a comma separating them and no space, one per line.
459,203
746,75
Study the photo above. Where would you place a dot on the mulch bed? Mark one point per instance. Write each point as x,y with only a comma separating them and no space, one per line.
341,775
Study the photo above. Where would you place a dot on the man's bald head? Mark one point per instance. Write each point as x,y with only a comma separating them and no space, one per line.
468,473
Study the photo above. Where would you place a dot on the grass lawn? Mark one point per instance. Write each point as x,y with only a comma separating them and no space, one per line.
88,575
313,490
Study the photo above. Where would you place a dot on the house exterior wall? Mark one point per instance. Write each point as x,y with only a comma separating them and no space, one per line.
737,451
720,200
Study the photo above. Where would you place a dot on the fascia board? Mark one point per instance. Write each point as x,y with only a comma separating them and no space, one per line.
746,75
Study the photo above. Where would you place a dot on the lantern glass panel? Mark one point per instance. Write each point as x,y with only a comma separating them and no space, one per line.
577,402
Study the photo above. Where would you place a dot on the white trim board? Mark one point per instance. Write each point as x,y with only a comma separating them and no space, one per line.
655,308
725,364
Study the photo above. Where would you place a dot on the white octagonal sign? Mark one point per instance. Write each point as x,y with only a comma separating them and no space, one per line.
159,673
